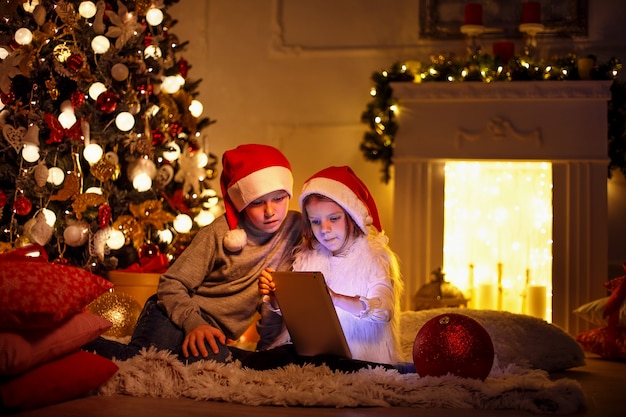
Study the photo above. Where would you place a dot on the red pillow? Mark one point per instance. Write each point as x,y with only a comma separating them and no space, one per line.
20,351
610,343
41,294
60,380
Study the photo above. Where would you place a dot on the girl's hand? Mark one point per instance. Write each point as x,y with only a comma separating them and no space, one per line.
266,283
194,342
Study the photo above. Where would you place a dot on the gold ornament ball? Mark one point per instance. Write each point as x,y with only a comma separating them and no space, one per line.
22,241
120,309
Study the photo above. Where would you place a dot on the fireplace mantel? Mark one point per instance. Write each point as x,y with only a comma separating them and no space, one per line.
563,122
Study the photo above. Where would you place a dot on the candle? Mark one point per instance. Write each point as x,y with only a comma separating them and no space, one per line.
585,65
537,301
531,12
500,289
470,285
485,298
504,50
474,14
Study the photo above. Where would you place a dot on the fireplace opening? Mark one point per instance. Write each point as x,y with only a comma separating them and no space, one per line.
497,245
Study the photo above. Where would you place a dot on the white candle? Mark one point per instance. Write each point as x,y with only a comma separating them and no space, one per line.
537,301
500,289
486,297
472,302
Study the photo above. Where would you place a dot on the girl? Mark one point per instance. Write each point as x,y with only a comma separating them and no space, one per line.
343,239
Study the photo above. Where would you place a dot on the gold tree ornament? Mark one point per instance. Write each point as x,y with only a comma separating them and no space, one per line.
103,170
85,200
151,213
51,86
131,229
71,187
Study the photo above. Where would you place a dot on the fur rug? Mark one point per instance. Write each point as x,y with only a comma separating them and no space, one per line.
160,374
525,349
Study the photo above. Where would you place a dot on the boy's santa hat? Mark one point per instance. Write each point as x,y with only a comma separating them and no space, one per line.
343,186
248,172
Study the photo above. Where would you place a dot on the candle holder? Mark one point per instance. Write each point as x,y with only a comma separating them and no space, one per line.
531,30
472,34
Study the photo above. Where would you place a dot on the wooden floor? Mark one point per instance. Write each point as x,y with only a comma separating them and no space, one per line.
604,384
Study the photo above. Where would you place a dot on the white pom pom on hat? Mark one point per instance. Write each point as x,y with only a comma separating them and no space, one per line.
248,172
341,184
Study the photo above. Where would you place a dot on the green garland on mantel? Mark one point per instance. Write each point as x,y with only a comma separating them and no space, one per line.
378,141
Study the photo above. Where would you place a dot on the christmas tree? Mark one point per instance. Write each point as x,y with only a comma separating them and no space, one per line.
103,163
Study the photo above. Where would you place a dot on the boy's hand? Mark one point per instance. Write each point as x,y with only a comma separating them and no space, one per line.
194,342
266,283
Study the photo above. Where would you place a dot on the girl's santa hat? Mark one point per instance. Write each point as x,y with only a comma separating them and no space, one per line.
343,186
248,172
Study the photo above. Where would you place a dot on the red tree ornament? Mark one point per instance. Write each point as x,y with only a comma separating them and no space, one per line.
104,216
107,102
74,62
7,98
3,198
78,99
453,344
22,206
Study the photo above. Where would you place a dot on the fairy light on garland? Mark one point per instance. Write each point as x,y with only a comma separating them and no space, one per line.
380,113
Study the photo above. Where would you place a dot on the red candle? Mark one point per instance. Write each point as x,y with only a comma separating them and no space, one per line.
474,14
531,12
504,50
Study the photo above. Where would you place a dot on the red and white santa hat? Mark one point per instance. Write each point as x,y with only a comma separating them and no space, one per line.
248,172
343,186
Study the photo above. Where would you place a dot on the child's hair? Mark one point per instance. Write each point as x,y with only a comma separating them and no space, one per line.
309,238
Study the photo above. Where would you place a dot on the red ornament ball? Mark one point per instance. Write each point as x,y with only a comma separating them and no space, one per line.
3,199
148,250
22,206
78,99
7,98
107,102
453,344
74,62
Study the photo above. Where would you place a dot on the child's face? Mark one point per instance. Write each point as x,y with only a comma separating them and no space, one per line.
328,223
268,212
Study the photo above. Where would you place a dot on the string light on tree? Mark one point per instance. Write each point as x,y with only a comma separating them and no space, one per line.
183,223
154,16
100,44
23,36
87,9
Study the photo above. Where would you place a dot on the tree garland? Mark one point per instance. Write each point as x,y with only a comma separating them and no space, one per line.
379,115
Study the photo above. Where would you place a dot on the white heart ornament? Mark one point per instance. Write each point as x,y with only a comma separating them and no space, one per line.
14,136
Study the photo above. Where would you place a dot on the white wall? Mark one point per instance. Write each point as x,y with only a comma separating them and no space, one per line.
296,74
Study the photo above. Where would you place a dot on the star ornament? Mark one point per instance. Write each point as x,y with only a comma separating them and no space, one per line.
125,25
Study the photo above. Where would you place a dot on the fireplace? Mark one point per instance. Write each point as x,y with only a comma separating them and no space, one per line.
558,125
